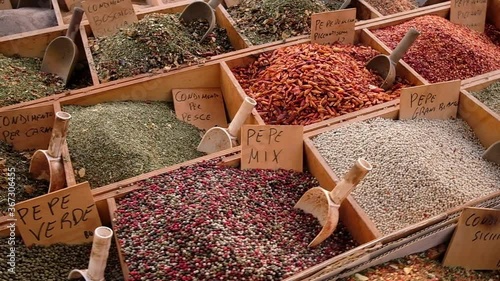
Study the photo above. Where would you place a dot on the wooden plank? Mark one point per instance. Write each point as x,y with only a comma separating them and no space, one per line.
88,56
366,11
112,209
57,11
482,81
224,20
30,44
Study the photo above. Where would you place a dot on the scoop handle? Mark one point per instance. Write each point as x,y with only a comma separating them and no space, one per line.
404,45
74,25
242,115
351,179
59,132
214,3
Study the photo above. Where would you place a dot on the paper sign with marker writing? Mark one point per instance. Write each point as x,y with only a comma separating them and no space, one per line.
335,26
469,13
203,108
272,147
434,101
108,16
27,128
476,241
5,5
65,216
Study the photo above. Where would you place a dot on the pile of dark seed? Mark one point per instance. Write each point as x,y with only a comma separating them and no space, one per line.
53,262
264,21
204,222
114,141
490,97
18,163
158,41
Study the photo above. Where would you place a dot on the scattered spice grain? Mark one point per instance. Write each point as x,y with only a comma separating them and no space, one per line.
17,164
490,96
306,83
457,52
52,262
421,167
264,21
117,140
156,42
205,222
389,7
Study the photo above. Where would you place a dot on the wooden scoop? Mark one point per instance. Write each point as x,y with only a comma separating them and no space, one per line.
201,10
61,54
47,164
325,205
385,65
493,153
217,138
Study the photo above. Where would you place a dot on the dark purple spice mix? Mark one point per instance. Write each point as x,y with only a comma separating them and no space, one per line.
444,51
204,222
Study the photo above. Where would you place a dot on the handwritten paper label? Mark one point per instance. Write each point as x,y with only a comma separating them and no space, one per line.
66,216
272,147
476,241
335,26
27,128
470,13
108,16
434,101
203,108
5,5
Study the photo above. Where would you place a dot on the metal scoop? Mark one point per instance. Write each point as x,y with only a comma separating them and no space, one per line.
385,65
201,10
217,138
48,164
325,205
61,54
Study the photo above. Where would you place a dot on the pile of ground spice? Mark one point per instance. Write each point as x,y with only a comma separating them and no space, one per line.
52,262
457,52
17,164
158,41
114,141
264,21
490,96
389,7
205,222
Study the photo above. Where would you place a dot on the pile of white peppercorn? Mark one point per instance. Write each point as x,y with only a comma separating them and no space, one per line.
421,168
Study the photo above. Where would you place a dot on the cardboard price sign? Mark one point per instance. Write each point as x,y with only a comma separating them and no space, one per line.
108,16
476,241
66,216
203,108
27,128
335,26
435,101
272,147
5,5
469,13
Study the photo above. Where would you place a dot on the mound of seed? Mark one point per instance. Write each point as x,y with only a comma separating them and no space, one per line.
421,168
18,163
158,41
204,222
114,141
490,97
457,52
264,21
389,7
306,83
53,262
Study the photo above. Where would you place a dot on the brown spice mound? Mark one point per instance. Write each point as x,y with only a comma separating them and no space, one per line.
389,7
444,51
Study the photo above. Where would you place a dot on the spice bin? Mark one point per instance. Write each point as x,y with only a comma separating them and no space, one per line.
380,8
485,96
378,195
28,17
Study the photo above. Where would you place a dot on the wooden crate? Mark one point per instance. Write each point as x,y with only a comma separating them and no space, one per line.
363,37
485,126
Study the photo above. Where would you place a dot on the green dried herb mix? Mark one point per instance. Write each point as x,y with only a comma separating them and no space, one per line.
490,97
158,41
119,140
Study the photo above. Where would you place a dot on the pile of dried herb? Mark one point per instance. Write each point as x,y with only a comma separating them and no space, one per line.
158,41
264,21
389,7
114,141
490,97
14,166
